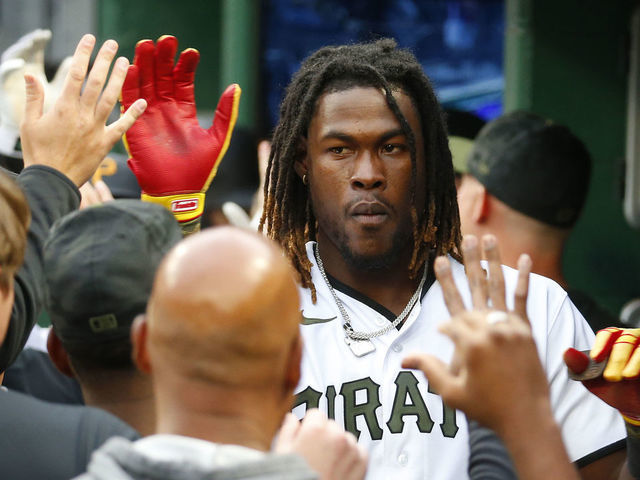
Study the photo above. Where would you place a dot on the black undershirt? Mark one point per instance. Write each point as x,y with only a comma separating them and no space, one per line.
381,309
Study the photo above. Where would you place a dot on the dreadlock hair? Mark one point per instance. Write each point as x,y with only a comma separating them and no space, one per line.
288,215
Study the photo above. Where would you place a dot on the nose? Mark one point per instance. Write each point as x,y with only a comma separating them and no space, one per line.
368,172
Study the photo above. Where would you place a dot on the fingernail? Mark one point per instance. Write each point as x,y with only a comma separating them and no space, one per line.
141,105
441,264
88,39
469,241
111,45
524,262
122,63
489,241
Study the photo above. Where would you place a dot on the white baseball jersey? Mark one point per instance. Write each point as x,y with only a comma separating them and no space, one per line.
405,426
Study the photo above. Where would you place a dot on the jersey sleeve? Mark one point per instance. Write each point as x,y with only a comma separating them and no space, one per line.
590,428
488,457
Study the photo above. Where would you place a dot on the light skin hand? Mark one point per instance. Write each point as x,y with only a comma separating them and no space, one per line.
325,446
72,137
94,194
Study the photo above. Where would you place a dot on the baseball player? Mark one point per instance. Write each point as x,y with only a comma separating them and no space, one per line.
360,193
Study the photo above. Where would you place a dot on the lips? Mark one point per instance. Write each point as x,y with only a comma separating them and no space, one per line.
369,212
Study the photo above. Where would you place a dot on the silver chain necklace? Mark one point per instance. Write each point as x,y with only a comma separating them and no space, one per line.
360,342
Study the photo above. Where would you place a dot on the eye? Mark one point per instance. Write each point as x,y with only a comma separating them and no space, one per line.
341,150
393,148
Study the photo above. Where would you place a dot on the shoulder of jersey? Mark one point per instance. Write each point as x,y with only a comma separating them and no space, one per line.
536,282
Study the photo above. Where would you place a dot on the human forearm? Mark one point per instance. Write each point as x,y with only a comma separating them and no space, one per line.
50,196
535,444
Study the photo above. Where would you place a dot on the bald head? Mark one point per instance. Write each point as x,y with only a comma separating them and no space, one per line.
224,309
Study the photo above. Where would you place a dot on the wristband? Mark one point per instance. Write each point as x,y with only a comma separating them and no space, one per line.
185,207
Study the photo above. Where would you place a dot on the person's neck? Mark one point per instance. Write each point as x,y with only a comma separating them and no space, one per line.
546,256
128,396
390,287
219,414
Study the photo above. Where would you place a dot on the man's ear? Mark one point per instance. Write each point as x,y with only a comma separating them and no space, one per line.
292,373
59,355
6,305
139,352
301,165
482,205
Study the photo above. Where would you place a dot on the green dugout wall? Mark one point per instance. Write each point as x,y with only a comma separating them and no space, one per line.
568,61
224,31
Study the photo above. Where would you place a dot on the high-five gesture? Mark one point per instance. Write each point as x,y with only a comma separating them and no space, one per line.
495,376
491,343
72,136
173,158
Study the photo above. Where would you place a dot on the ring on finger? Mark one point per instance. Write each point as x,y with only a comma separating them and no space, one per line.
496,316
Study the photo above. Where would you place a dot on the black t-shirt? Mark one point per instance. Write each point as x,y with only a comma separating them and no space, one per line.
46,440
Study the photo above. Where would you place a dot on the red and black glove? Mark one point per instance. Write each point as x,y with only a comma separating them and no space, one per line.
173,158
612,370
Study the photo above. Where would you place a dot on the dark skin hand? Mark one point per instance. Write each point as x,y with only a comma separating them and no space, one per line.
496,359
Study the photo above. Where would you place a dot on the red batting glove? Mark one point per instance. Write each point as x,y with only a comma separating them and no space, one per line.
619,383
173,158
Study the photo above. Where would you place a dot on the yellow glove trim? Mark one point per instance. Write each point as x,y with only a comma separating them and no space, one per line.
632,421
185,207
227,140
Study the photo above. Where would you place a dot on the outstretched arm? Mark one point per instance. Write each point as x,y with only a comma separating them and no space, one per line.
62,148
496,360
173,158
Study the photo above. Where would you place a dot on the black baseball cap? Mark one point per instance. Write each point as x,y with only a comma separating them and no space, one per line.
533,165
99,266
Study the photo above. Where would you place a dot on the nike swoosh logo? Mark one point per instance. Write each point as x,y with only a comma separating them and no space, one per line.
314,321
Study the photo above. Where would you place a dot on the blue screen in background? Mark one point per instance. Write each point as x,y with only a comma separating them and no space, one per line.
458,43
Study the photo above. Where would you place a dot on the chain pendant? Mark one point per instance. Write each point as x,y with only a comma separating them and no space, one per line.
360,348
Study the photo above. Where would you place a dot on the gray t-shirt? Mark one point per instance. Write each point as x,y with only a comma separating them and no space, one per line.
176,457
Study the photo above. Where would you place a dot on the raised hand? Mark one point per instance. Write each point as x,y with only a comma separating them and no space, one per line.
94,194
495,376
173,158
72,137
495,357
326,447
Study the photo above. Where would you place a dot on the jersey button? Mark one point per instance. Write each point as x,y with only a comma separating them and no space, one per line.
403,459
397,348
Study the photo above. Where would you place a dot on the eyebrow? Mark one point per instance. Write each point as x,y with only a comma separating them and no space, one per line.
334,134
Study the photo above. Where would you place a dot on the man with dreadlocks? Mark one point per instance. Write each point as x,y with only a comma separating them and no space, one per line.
360,194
